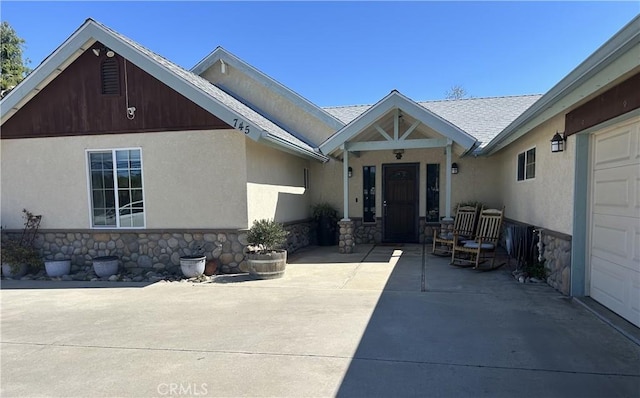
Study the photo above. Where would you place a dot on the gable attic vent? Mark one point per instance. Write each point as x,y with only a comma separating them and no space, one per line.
110,75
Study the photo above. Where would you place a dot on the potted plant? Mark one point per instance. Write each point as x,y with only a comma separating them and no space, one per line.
105,266
265,257
326,218
17,258
193,264
56,268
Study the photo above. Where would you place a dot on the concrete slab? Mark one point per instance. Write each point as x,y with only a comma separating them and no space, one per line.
385,321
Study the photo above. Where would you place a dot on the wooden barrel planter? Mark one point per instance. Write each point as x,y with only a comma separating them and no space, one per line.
105,266
267,265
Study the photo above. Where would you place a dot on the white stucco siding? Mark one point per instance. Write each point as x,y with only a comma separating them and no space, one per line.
545,201
195,179
476,181
275,185
47,177
188,178
271,104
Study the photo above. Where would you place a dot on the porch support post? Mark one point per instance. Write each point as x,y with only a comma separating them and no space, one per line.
447,207
345,182
346,241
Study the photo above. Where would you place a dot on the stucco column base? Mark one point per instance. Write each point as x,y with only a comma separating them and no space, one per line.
347,241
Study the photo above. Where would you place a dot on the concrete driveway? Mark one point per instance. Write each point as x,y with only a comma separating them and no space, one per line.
384,321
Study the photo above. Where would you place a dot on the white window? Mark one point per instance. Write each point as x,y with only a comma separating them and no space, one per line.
527,164
116,192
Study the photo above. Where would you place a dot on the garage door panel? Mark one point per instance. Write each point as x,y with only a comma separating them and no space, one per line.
615,219
614,239
615,149
612,286
615,191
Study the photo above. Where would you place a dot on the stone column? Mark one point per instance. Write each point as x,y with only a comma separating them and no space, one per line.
446,226
347,241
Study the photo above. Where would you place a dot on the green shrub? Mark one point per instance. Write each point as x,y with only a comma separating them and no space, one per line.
15,254
266,235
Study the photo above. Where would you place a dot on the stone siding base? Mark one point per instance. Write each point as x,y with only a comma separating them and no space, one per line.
159,251
557,255
365,233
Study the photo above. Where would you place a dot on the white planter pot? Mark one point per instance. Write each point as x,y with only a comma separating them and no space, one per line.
20,272
192,266
105,266
56,268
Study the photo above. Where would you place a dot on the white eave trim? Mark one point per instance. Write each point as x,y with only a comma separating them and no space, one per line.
268,82
614,48
392,101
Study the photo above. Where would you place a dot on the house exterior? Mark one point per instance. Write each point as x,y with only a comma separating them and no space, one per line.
125,153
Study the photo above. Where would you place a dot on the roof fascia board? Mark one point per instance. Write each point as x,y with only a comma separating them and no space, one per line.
91,32
408,144
285,146
608,53
172,80
391,101
44,73
268,82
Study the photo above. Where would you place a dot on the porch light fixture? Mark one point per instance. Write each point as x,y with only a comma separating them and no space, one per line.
557,142
350,173
398,153
454,168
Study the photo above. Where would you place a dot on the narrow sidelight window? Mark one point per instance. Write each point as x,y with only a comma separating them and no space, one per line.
116,188
433,192
369,193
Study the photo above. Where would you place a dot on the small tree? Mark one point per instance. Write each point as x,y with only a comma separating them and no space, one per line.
14,67
456,92
266,235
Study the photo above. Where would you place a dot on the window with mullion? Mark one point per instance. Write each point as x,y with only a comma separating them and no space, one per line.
117,192
526,165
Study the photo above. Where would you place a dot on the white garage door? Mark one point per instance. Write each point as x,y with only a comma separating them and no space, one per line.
615,219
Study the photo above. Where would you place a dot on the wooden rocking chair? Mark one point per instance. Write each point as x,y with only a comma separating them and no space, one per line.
484,243
464,226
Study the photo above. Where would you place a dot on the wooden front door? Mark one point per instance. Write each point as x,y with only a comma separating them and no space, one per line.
400,202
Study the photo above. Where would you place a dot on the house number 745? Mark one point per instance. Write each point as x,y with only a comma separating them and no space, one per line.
241,125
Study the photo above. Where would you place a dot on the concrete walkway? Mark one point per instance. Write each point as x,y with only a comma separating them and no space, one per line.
384,321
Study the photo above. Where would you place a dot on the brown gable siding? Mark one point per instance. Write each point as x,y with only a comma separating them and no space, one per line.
73,104
616,101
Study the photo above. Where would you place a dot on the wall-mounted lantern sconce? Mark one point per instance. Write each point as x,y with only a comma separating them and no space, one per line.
350,173
398,153
108,52
454,168
557,142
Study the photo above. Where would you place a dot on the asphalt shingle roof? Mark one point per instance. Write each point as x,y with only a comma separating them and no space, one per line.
216,93
483,118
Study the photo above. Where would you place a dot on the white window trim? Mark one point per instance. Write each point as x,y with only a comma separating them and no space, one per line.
525,164
115,184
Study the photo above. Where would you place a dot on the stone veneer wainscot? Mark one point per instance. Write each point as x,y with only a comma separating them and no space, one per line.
157,250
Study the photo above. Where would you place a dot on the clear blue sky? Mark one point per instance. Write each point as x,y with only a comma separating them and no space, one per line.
347,53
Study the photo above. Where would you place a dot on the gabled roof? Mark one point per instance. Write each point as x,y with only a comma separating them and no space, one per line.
482,118
395,100
199,90
221,54
622,51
